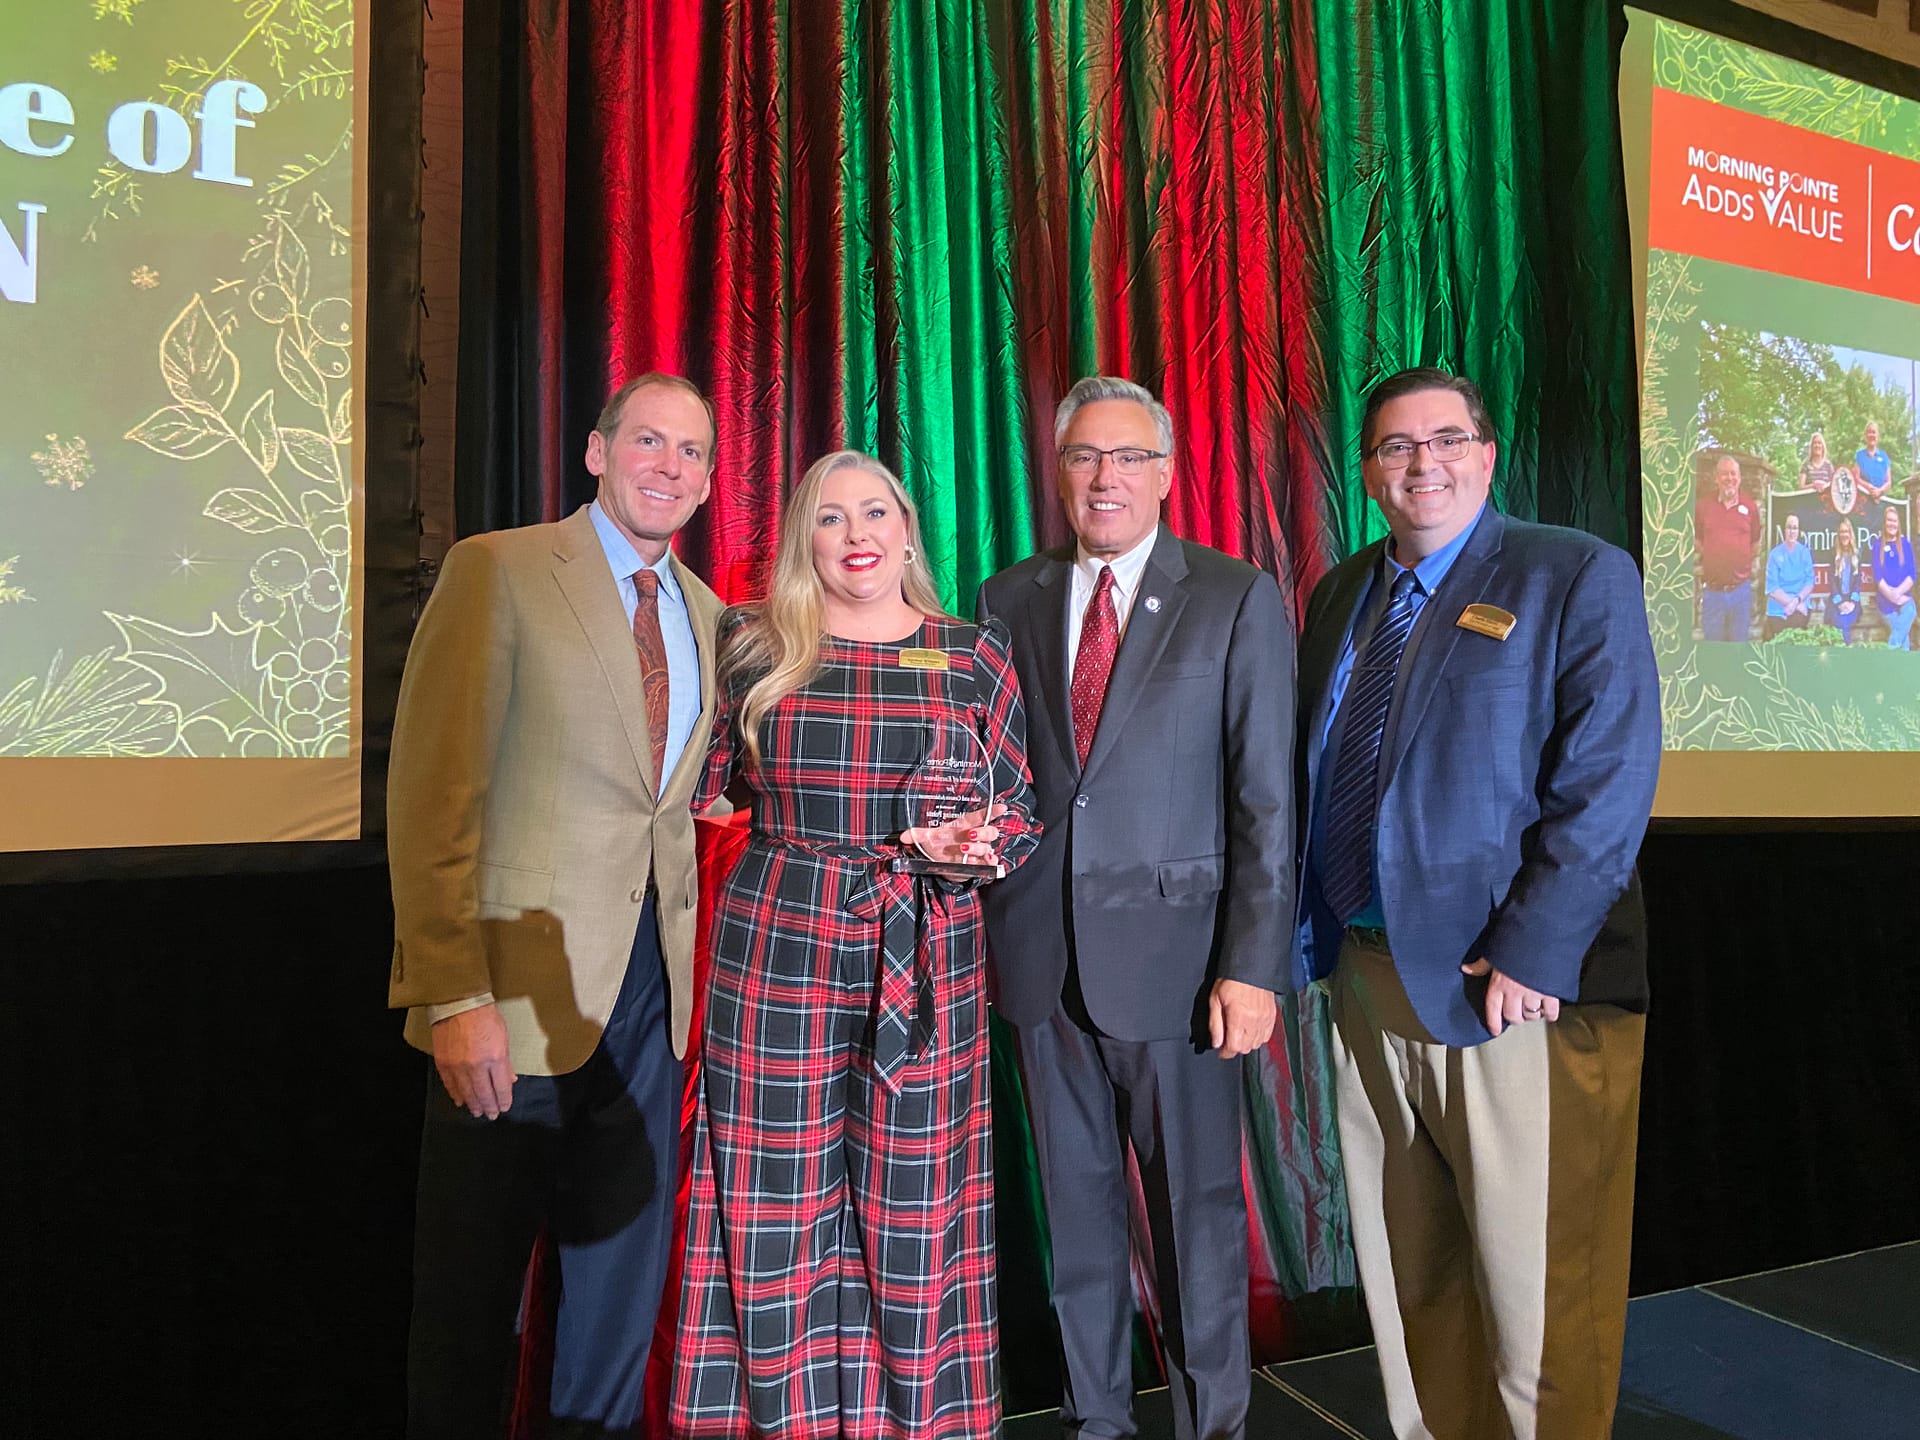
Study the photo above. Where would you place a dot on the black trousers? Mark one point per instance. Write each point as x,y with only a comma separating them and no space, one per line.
1090,1096
591,1157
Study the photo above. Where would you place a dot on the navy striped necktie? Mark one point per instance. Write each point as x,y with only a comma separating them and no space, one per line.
1346,870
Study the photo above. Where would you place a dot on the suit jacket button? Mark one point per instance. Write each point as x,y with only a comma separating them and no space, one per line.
1080,802
636,895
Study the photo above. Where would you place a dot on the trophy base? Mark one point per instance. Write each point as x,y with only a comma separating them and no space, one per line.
945,869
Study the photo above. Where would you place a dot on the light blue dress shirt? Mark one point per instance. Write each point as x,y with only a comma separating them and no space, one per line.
676,628
1788,570
1427,575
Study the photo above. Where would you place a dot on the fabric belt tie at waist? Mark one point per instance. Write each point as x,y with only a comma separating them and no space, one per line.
903,1008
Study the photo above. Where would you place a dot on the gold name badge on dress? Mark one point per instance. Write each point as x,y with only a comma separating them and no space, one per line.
1488,620
924,659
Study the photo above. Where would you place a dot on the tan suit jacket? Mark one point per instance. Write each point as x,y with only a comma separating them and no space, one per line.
522,827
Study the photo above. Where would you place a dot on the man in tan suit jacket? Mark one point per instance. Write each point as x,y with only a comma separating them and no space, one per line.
544,889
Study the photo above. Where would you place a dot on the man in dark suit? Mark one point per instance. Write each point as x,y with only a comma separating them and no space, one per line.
1138,948
1480,736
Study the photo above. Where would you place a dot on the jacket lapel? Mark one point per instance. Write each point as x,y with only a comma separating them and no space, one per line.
1046,639
703,614
581,570
1323,646
1145,639
1435,638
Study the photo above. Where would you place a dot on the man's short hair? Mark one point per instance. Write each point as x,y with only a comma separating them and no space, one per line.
609,422
1417,381
1111,387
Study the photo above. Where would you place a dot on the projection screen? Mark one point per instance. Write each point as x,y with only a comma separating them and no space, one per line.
182,282
1776,223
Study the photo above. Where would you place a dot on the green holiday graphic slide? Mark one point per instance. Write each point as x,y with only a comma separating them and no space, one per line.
179,538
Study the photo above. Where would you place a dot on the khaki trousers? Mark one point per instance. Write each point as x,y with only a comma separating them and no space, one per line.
1491,1191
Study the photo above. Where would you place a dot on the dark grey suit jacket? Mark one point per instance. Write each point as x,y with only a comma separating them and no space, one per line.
1168,862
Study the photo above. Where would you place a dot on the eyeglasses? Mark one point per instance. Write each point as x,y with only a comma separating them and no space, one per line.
1127,460
1398,454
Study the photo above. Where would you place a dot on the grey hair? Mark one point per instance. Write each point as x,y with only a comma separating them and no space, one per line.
1112,387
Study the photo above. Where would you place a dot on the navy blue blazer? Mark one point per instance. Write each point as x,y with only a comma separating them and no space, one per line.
1517,775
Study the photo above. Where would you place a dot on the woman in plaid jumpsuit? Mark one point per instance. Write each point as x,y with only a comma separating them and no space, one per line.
839,1274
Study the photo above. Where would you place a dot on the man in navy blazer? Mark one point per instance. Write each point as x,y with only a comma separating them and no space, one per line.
1480,735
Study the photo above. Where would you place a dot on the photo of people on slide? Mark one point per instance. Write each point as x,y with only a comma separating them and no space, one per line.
1773,508
1775,205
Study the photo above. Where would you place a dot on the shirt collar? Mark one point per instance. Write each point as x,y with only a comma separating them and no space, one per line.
624,559
1127,568
1428,573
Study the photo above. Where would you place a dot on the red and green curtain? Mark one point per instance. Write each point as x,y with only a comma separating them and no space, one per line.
909,225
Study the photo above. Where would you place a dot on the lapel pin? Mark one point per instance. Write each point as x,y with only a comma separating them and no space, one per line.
1153,604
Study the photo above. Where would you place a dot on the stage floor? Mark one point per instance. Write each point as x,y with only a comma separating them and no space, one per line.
1827,1351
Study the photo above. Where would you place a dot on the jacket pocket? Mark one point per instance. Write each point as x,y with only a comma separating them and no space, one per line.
1190,879
506,891
1183,669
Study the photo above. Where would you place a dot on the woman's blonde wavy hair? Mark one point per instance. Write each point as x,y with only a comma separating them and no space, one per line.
779,641
1852,547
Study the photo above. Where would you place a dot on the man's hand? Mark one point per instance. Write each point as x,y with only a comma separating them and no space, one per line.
1239,1017
1508,1001
470,1051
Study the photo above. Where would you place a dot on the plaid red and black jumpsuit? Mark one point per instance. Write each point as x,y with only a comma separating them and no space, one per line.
839,1275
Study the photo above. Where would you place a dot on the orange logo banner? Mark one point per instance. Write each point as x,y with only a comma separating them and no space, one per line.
1750,191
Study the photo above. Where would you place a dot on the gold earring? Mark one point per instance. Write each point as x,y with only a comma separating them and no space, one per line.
912,554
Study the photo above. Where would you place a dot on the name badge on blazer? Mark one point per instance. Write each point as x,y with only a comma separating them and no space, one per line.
924,659
1489,620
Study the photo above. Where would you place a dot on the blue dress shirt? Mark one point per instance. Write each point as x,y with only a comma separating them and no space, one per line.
1790,571
676,628
1427,575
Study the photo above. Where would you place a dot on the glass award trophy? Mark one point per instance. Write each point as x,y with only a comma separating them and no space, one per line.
953,779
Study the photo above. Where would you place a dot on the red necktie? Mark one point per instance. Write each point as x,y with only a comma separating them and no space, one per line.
653,665
1093,663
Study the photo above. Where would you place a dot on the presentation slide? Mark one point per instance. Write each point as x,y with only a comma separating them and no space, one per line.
1776,221
180,537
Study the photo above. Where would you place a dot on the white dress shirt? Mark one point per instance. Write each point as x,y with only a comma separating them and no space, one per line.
1126,585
